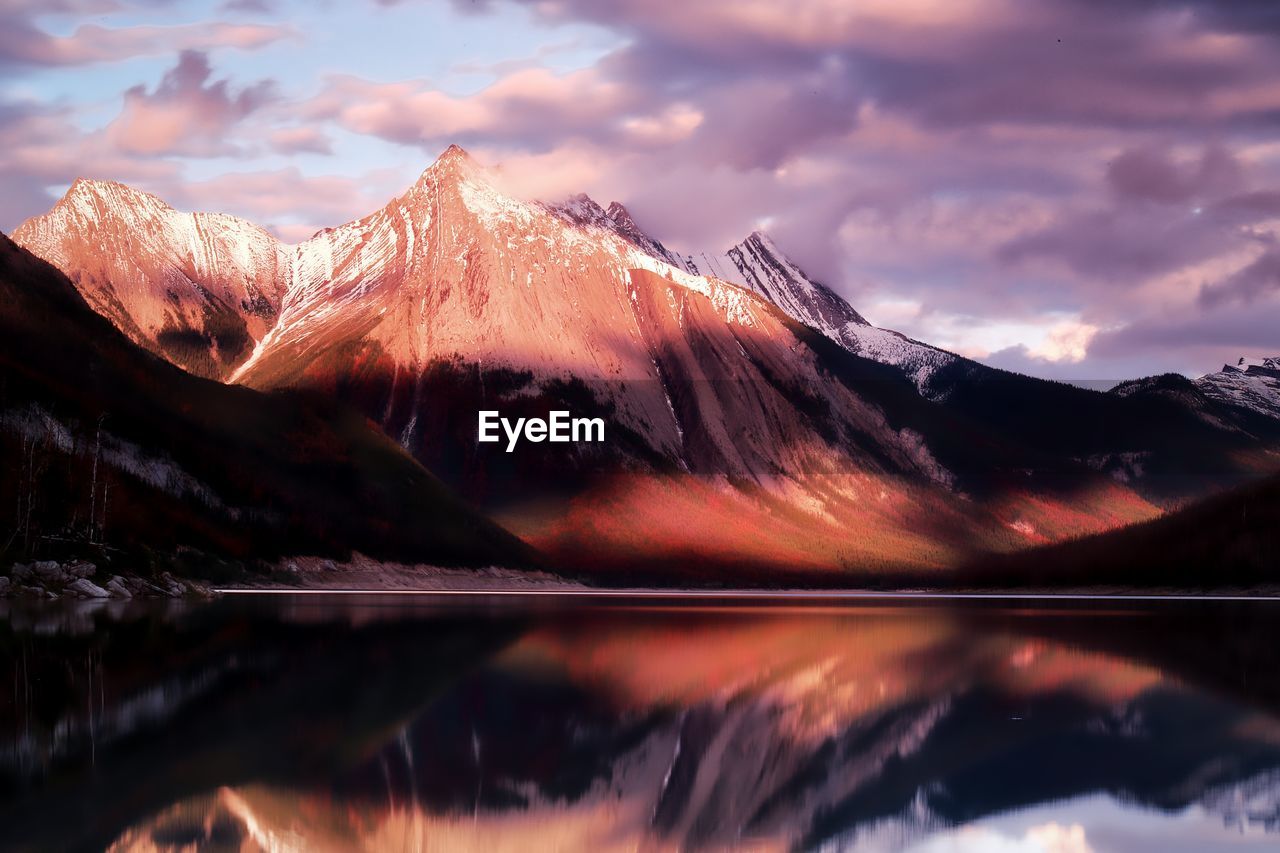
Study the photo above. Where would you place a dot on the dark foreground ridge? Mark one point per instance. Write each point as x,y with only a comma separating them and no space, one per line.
114,455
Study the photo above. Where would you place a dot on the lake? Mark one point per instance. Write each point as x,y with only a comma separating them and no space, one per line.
402,722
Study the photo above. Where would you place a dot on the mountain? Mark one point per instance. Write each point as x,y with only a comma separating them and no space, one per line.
456,297
1228,540
750,424
199,289
1171,439
1252,384
758,265
106,448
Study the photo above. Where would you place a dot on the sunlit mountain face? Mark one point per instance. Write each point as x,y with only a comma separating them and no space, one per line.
410,724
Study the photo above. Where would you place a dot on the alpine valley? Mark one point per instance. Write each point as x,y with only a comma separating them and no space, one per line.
759,428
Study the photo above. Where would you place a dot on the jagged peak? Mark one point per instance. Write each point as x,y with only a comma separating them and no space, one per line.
582,209
762,239
94,200
617,211
1248,364
582,201
454,163
455,153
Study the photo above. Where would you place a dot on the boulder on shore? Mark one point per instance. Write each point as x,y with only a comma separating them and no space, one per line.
86,588
117,589
80,569
50,572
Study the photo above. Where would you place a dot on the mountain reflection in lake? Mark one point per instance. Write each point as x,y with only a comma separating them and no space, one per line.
416,723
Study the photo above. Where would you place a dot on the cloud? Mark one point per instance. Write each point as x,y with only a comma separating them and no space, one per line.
1259,278
298,140
1150,174
1065,342
287,201
1162,215
188,113
532,105
23,44
44,148
1002,167
1191,340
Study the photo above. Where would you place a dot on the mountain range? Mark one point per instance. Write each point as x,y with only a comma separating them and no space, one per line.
755,419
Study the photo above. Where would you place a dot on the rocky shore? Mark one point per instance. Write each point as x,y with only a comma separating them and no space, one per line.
81,579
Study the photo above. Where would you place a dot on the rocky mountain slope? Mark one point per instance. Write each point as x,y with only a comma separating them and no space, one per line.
1252,384
199,289
759,266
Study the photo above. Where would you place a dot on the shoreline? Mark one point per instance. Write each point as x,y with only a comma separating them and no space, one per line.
579,591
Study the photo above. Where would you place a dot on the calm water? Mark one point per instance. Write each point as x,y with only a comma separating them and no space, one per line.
415,723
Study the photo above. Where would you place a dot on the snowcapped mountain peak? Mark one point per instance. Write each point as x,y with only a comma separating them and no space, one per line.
759,265
196,288
455,156
92,200
93,186
582,209
618,212
1251,383
454,165
1254,365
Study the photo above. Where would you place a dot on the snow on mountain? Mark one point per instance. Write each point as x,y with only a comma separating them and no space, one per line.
1252,384
758,265
199,289
456,270
583,211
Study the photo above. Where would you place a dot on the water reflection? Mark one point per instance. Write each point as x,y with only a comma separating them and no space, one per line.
418,724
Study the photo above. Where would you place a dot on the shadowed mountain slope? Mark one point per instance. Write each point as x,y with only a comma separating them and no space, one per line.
105,444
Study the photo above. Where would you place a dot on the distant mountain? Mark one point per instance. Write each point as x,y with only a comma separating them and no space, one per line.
1252,384
105,448
750,423
1168,437
758,265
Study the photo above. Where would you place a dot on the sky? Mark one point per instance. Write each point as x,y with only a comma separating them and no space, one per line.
1076,189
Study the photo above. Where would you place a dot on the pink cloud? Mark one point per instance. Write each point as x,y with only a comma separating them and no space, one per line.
298,140
22,43
292,204
186,114
529,104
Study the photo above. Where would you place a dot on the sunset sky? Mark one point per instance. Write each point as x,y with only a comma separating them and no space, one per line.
1071,188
